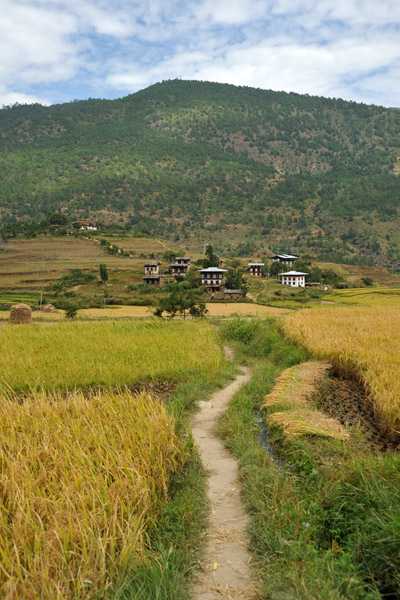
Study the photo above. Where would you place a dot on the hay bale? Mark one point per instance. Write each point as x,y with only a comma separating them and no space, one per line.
20,313
49,308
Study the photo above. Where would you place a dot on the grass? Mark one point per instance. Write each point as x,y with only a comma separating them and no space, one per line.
67,355
361,342
326,525
82,479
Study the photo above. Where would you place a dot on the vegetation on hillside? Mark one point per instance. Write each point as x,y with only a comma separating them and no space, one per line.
199,162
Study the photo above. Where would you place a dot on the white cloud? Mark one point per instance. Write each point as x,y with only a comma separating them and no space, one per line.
345,48
7,98
231,12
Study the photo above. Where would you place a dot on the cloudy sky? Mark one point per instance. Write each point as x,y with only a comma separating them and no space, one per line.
60,50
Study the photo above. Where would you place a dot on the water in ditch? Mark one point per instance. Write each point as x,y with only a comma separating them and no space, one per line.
265,442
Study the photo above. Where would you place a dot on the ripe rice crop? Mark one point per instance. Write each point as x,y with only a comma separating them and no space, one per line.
67,355
359,341
81,479
366,297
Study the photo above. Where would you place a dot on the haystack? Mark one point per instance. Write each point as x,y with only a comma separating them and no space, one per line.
20,313
49,308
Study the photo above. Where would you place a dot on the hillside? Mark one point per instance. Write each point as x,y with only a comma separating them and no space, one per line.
248,170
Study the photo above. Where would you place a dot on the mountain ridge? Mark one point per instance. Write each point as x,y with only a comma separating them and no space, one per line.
243,168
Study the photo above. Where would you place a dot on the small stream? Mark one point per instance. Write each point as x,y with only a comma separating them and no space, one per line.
265,441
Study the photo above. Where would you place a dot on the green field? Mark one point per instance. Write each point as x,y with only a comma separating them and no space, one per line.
69,355
366,297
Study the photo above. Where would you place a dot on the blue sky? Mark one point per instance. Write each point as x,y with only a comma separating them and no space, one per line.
60,50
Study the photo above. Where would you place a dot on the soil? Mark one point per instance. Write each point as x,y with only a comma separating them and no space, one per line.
225,571
347,401
161,389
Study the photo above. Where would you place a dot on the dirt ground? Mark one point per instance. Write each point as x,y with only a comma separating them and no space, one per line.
348,402
225,571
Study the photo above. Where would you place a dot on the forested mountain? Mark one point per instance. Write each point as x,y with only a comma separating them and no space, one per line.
199,162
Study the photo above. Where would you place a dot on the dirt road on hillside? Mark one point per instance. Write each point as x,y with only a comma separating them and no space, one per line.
225,571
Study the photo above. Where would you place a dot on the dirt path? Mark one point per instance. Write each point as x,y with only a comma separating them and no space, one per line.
225,571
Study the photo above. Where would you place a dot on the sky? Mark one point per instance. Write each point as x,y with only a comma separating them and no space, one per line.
59,50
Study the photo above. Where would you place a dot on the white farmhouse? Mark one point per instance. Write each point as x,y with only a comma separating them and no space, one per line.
151,268
286,259
294,278
213,278
256,268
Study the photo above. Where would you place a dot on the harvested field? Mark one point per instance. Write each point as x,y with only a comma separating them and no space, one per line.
346,401
113,312
288,403
31,264
297,384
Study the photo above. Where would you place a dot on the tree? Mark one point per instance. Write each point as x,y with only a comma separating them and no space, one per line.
234,280
70,307
57,219
211,259
169,255
103,273
368,281
181,300
275,268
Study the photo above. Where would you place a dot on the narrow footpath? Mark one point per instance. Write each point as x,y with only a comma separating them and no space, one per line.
225,572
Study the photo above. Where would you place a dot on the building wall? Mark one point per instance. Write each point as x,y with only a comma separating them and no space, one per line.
294,281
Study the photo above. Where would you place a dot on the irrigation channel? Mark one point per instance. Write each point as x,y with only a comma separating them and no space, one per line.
265,441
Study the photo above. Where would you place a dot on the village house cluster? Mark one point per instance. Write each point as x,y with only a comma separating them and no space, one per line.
213,278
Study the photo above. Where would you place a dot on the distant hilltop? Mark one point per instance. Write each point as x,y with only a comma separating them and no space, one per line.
242,168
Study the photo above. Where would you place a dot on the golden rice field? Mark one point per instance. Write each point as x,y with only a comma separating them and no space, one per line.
66,355
366,297
357,340
81,480
214,310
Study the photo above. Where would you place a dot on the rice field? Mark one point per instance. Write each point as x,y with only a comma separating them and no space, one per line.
81,480
67,355
84,474
359,341
366,297
141,312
